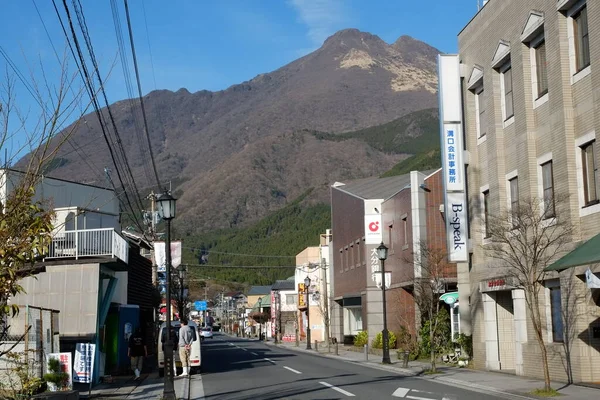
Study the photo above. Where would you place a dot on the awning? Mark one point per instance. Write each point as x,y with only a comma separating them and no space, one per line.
587,253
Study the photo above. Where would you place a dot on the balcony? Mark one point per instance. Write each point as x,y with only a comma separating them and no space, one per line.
105,242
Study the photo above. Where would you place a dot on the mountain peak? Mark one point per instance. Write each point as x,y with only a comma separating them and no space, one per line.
352,38
407,45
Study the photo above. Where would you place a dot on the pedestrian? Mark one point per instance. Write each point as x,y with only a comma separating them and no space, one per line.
136,351
187,335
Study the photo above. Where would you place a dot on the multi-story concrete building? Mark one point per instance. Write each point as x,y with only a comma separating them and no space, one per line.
530,77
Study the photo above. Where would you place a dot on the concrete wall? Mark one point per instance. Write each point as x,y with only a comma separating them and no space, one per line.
72,289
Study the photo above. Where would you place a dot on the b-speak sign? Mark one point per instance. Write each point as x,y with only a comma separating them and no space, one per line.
373,229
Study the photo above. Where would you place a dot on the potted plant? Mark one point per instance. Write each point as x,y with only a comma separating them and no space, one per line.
56,379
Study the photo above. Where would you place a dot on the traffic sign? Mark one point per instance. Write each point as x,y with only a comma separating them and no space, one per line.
200,305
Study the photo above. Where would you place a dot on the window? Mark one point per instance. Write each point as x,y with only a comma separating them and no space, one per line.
590,189
405,230
481,118
548,188
514,200
360,260
541,70
507,91
486,211
290,299
556,310
582,40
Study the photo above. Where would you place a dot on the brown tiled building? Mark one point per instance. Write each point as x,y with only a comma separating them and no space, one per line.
397,211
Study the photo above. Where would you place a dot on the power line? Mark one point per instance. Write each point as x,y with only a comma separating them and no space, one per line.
236,254
137,75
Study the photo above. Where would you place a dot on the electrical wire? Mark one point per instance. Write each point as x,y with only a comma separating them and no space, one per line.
137,75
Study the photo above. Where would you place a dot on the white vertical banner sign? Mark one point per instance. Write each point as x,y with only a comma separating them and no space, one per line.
373,230
83,367
160,257
451,138
66,365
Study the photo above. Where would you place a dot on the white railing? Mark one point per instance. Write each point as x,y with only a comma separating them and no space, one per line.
89,243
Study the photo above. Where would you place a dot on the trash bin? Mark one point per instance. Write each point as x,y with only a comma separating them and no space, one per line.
405,359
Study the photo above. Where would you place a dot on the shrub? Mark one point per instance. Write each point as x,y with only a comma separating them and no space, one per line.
361,339
465,342
378,341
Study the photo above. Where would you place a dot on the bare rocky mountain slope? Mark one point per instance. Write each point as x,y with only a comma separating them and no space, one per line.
235,155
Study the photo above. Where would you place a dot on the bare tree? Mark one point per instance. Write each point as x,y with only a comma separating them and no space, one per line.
26,221
525,240
434,269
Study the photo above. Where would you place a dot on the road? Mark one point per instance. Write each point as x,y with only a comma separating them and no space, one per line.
237,369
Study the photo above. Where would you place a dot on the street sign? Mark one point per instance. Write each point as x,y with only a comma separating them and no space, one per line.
200,305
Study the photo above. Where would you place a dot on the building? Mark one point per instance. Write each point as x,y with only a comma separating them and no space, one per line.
308,265
255,294
406,214
529,73
285,307
86,273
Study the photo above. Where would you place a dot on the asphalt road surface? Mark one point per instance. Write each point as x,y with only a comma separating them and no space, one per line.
237,369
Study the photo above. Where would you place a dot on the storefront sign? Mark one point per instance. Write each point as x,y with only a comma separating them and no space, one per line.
497,284
451,137
66,365
456,227
301,298
83,367
373,229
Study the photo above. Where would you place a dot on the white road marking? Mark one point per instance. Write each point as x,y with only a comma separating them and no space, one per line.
231,344
337,389
269,360
450,397
419,398
400,392
243,349
253,353
293,370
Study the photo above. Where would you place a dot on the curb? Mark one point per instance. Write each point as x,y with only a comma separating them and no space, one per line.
478,388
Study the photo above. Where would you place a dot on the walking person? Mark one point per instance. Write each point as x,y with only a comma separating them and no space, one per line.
187,334
136,351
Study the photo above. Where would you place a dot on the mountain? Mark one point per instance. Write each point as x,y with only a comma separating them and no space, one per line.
236,155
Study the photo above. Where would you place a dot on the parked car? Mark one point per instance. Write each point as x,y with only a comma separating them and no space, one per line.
206,332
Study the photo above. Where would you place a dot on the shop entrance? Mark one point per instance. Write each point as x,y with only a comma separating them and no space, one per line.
505,323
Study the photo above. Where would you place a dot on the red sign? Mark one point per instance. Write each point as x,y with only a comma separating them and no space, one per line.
374,226
496,283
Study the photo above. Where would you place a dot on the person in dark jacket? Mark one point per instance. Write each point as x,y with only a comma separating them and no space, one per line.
137,350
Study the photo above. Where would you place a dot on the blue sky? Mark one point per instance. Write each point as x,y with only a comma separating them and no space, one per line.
212,44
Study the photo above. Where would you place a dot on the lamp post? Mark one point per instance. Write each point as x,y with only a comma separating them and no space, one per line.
260,312
306,286
382,255
166,205
277,316
181,299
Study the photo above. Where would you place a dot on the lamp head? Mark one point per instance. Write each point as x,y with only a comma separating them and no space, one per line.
382,252
307,282
166,206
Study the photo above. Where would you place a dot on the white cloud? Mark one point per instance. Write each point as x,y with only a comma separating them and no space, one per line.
322,17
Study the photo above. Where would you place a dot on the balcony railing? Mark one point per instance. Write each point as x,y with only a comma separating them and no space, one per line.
89,243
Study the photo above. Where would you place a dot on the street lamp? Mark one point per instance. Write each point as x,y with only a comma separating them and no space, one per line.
166,207
260,312
277,316
306,286
382,255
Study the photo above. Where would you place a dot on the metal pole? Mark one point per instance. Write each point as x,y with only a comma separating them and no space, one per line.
307,320
276,311
169,388
386,343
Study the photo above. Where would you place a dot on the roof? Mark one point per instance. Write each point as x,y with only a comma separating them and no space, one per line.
284,285
586,253
376,188
265,302
258,290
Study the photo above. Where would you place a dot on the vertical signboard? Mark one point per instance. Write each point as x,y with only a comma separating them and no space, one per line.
451,137
66,366
83,367
373,230
160,255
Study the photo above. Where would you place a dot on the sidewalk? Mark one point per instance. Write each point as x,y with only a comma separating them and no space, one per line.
124,387
502,384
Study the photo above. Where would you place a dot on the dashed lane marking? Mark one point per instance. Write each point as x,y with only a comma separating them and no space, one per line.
337,389
293,370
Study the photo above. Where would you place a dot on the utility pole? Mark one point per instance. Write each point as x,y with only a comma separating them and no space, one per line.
152,234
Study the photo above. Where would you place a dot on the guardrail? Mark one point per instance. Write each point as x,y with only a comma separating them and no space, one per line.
89,243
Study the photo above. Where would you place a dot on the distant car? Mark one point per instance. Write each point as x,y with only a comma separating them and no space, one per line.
206,332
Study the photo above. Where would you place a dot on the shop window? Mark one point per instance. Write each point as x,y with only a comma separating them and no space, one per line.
590,174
